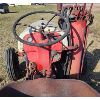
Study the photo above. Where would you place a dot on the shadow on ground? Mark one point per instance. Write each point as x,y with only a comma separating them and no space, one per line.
13,12
90,76
1,79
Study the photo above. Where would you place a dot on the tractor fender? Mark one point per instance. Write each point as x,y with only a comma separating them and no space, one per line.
49,87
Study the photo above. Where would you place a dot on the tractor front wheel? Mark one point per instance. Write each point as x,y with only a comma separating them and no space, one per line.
12,64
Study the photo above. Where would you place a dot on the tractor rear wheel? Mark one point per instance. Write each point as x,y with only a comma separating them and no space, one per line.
12,63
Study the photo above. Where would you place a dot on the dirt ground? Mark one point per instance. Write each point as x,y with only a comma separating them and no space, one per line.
92,76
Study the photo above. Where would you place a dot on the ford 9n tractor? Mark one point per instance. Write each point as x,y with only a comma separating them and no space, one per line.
54,56
50,51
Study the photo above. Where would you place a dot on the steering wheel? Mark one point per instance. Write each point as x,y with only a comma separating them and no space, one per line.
49,43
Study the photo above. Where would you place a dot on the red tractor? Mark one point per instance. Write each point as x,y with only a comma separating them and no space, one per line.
50,51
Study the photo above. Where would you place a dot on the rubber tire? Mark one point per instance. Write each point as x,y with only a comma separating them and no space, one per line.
12,64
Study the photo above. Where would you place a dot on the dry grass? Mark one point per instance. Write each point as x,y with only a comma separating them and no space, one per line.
7,40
